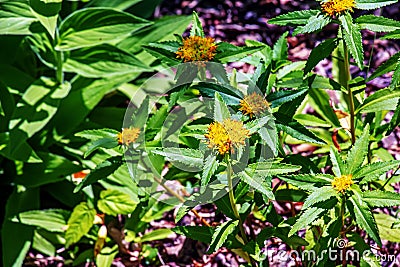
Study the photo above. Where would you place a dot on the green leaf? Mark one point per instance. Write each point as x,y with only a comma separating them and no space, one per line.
221,111
378,198
374,170
364,218
46,11
230,95
352,37
396,76
323,106
199,233
377,24
385,67
384,99
357,153
164,51
293,18
314,23
197,29
257,181
227,52
323,50
106,256
337,162
186,156
15,18
278,98
93,26
267,168
43,245
395,121
373,4
210,166
308,182
156,234
221,234
79,223
322,194
295,129
385,222
97,134
102,171
101,143
53,220
393,35
305,219
280,49
114,202
103,61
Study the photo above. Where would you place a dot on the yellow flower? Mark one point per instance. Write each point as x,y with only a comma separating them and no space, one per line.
342,183
253,104
128,136
226,135
336,7
196,48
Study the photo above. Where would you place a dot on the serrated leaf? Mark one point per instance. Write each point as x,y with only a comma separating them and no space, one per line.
385,67
373,4
186,156
280,97
322,194
364,218
221,234
384,99
323,105
79,223
267,168
53,220
314,23
210,166
357,153
114,202
377,24
396,76
337,162
156,234
393,35
197,29
305,219
230,95
374,170
199,233
308,182
293,18
182,211
102,171
385,222
280,49
257,181
323,50
221,111
227,52
395,121
98,134
352,38
378,198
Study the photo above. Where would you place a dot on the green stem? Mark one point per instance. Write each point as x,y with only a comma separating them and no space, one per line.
349,92
59,59
342,212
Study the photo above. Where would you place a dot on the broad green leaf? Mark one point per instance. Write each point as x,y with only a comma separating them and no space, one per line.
386,67
102,171
322,194
323,106
257,181
357,153
295,129
314,23
43,245
227,52
114,202
267,168
294,18
199,233
185,156
156,234
352,37
384,99
306,218
373,4
106,256
221,234
364,218
372,171
210,166
93,26
197,29
15,18
47,13
221,111
385,222
104,138
323,50
378,198
53,220
102,61
115,4
79,223
280,49
337,162
377,24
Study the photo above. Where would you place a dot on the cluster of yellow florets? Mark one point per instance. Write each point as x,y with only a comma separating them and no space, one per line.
196,48
253,104
336,7
342,183
226,135
128,136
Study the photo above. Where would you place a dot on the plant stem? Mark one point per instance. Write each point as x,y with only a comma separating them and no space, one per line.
349,92
343,235
59,56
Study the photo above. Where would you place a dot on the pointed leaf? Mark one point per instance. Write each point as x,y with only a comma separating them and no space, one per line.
53,220
305,219
378,198
199,233
314,23
322,194
197,29
293,18
323,50
186,156
221,111
221,234
280,49
210,166
257,181
384,99
79,223
377,24
337,162
114,202
352,37
357,153
373,4
374,170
